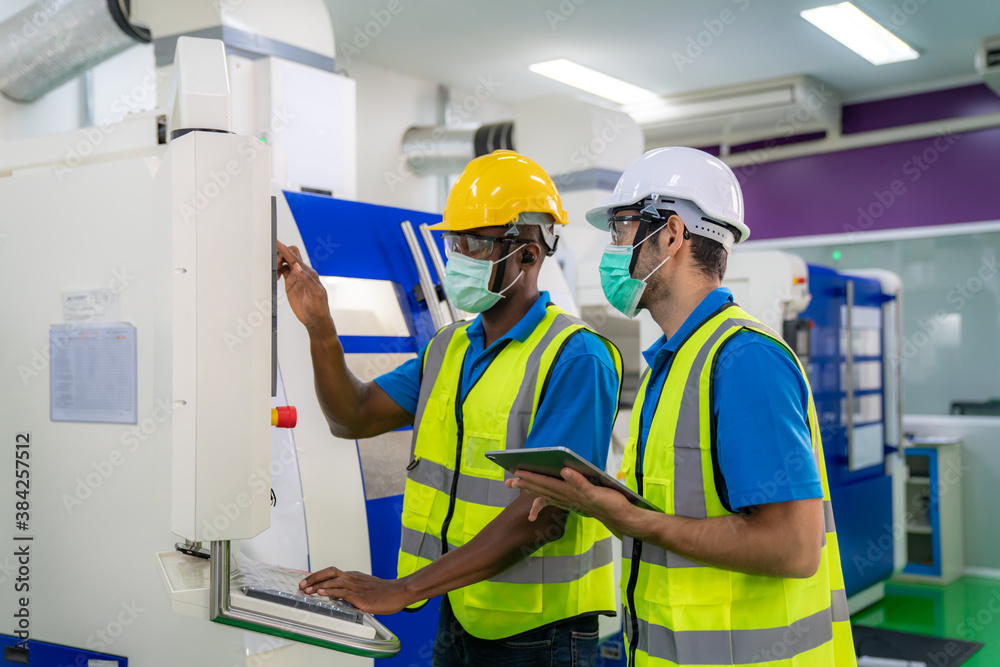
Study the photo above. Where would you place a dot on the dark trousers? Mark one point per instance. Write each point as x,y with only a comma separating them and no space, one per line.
569,643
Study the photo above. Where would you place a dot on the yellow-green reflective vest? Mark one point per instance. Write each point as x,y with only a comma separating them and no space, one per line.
678,612
443,510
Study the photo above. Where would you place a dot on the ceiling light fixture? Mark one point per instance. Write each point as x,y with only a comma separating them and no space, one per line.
860,33
584,78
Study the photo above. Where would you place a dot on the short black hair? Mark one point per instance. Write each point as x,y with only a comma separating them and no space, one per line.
709,256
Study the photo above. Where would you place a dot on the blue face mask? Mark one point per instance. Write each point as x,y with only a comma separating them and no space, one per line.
466,282
620,288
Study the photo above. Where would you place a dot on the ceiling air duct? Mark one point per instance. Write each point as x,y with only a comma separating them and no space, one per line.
446,150
51,41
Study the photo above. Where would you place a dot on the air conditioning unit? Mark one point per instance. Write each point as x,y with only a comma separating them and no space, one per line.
740,114
988,62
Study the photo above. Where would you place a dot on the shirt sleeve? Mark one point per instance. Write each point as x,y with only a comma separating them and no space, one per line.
761,405
402,384
580,402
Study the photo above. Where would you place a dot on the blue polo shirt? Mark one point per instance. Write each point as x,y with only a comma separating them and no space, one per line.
580,402
761,405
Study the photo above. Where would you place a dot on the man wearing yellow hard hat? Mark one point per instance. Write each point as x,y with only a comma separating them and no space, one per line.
523,373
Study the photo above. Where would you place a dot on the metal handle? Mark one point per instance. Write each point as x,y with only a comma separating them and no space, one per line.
424,274
385,644
438,263
849,371
898,306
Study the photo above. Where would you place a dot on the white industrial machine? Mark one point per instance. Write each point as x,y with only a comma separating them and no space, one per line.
142,356
140,348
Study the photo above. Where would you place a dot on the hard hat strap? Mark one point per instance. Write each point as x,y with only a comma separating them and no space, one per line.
640,236
501,266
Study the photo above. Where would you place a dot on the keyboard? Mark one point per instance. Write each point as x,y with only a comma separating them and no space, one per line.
316,604
280,585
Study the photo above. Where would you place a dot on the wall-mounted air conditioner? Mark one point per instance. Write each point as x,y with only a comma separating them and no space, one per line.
738,114
988,62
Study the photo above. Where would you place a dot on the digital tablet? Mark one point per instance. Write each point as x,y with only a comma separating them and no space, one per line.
551,460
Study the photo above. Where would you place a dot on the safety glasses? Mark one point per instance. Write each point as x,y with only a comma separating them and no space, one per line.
473,245
621,227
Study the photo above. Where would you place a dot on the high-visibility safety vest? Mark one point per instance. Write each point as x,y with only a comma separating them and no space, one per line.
678,612
453,491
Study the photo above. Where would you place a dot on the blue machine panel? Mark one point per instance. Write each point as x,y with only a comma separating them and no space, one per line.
863,513
44,654
356,240
862,499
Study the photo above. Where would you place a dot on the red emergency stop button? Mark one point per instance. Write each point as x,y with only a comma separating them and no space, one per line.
284,417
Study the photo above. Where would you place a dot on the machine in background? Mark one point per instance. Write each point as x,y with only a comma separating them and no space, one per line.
845,328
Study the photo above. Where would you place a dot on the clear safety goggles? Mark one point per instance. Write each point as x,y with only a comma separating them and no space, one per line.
623,227
473,245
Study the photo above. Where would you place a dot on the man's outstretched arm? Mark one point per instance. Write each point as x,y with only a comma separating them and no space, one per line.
353,409
504,542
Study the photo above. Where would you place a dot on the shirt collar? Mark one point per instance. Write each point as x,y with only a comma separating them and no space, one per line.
711,303
520,331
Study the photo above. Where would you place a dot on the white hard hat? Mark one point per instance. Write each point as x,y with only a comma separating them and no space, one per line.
683,173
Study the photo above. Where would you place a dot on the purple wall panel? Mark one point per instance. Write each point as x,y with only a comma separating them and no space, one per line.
943,180
925,107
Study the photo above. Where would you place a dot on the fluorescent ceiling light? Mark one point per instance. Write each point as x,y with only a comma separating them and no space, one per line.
857,31
584,78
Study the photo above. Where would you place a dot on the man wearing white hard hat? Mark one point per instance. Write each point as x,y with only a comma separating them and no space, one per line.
742,567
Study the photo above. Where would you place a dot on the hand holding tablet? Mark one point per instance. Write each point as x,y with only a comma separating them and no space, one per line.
550,461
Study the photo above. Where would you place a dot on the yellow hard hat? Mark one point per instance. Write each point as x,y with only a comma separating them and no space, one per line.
495,189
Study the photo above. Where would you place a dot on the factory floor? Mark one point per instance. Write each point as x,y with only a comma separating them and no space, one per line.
967,609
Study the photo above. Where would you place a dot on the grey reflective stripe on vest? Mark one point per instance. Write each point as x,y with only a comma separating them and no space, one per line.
519,419
654,555
829,525
689,488
420,544
689,485
557,569
838,605
433,360
736,647
490,492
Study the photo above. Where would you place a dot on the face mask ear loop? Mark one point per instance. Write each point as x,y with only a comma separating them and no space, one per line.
657,268
511,285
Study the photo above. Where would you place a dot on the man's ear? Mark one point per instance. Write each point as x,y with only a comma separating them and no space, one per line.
532,253
675,232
